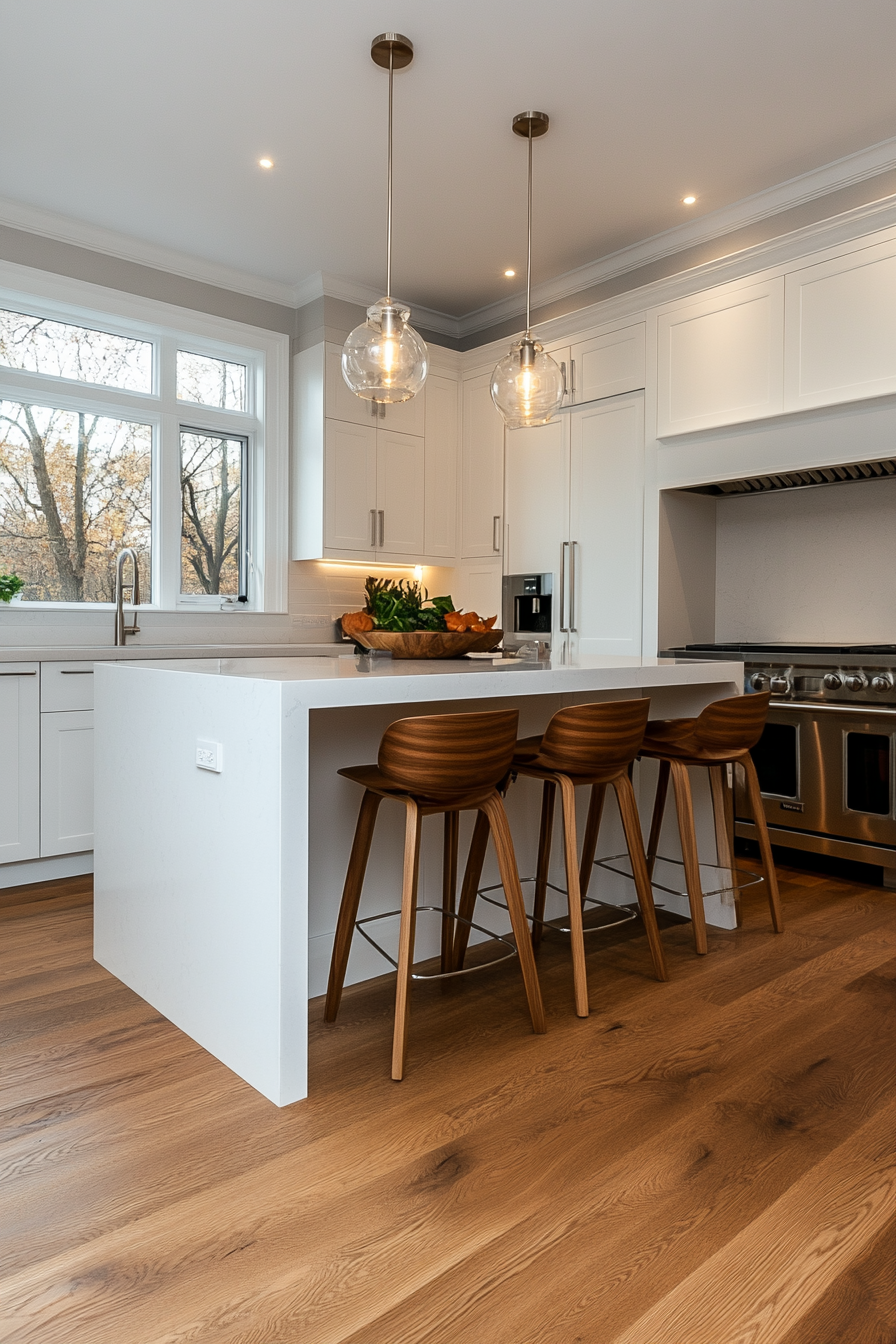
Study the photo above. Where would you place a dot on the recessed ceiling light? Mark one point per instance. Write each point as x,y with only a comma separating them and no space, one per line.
509,273
688,200
265,163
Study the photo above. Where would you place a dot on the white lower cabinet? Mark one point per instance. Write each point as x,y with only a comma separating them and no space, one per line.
66,783
19,762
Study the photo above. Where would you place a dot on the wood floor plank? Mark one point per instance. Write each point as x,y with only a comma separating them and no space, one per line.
780,1266
860,1305
517,1189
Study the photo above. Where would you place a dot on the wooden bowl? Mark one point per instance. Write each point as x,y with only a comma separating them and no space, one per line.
429,643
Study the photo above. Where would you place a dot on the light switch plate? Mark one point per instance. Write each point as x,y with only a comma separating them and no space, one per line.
209,755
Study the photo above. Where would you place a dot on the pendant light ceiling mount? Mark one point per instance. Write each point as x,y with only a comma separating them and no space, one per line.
384,360
392,49
527,386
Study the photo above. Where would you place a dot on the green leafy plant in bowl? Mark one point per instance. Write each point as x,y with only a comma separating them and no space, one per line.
403,606
10,586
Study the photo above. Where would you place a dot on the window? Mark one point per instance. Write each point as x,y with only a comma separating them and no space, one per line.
121,429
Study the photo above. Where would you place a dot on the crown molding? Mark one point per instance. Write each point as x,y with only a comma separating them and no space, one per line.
63,229
865,223
809,186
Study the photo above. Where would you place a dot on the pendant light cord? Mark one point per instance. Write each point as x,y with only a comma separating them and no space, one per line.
529,241
389,189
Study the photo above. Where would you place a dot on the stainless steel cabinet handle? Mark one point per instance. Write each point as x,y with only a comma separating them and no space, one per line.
373,522
18,674
382,518
572,379
563,371
496,532
563,626
74,672
572,587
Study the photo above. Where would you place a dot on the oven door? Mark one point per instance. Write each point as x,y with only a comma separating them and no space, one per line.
828,769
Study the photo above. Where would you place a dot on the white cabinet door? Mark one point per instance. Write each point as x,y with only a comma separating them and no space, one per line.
66,791
440,483
607,365
399,494
350,490
341,404
19,762
536,498
721,360
482,489
406,417
840,329
606,526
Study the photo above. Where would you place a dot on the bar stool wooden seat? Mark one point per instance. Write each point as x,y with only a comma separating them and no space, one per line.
448,763
583,745
721,736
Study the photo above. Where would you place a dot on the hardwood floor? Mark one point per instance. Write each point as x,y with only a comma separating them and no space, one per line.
707,1161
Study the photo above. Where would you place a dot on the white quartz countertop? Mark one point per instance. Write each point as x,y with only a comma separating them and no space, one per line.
349,680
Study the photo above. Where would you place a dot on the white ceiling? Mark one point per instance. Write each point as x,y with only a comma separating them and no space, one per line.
148,119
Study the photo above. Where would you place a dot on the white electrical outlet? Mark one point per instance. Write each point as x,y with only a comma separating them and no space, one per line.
209,755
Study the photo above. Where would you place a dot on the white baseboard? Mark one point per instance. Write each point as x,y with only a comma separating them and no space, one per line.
45,870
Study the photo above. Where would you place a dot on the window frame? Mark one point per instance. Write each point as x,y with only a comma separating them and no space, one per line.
264,424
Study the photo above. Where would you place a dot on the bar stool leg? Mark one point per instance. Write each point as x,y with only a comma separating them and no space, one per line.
765,849
721,813
469,888
684,806
656,824
592,830
449,887
510,878
407,929
631,824
351,897
576,932
545,835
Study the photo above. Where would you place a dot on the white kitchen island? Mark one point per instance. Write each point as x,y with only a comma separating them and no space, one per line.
216,893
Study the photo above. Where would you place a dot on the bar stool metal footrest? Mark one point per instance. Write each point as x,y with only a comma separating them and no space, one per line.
631,914
715,879
459,919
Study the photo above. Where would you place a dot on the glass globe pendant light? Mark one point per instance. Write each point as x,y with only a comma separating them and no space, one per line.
527,385
384,360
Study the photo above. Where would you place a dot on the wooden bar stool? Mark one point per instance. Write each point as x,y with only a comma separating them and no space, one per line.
447,763
584,744
721,736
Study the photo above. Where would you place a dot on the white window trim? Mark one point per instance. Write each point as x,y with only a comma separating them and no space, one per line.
169,326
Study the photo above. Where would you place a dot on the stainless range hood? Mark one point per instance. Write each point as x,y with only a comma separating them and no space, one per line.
798,480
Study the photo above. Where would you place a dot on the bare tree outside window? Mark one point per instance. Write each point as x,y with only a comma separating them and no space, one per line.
74,488
211,382
211,488
39,345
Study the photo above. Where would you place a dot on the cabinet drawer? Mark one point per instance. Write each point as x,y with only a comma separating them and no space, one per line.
66,686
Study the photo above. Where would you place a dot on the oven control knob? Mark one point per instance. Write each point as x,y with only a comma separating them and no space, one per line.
856,682
759,681
832,682
779,685
881,683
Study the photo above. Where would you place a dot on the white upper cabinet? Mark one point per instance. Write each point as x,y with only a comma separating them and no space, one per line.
841,329
606,527
536,498
602,366
364,485
482,488
441,462
399,494
19,762
350,490
720,360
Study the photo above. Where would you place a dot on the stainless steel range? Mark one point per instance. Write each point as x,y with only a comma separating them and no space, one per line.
827,759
